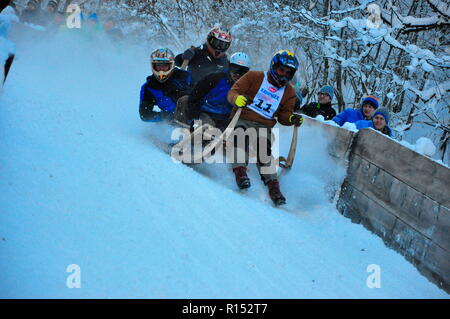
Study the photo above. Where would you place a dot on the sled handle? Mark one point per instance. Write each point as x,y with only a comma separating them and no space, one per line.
223,137
287,163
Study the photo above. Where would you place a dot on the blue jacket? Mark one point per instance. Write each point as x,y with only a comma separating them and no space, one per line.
210,95
365,124
164,95
216,100
349,115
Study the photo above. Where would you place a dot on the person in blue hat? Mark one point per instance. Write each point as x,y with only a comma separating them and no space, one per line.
323,106
368,106
379,122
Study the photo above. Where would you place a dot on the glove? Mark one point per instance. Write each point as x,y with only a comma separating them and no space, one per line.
296,119
240,101
188,54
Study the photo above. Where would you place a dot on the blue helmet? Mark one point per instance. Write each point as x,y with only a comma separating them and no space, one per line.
287,59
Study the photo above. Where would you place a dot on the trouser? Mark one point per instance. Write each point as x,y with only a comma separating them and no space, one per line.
184,115
251,137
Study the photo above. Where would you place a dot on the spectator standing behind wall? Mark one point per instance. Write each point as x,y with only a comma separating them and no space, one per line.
379,122
323,106
368,106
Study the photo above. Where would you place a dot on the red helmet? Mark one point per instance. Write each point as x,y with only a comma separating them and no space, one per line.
219,39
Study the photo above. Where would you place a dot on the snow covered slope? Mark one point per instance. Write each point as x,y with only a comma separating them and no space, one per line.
80,183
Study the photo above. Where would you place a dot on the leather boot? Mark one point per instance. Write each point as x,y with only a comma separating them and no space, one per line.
242,179
275,193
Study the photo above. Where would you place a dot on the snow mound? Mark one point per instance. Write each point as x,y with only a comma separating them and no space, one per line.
422,146
350,126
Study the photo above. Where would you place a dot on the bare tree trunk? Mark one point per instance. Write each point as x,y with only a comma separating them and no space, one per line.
443,143
339,95
338,78
326,33
416,101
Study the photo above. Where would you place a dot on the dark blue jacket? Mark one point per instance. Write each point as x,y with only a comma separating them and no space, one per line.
349,115
210,96
369,123
164,95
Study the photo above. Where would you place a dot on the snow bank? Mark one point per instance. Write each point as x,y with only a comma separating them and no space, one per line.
423,146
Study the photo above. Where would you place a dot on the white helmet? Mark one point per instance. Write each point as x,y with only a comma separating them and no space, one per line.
241,59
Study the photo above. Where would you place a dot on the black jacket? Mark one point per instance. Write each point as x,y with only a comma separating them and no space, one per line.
314,109
201,64
165,94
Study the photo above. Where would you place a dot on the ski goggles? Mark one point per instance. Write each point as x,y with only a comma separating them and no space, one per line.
161,66
218,45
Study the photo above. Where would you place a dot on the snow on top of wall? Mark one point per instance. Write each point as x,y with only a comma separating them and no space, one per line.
423,145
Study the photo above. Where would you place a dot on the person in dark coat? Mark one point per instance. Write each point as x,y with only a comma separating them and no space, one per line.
323,106
208,58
